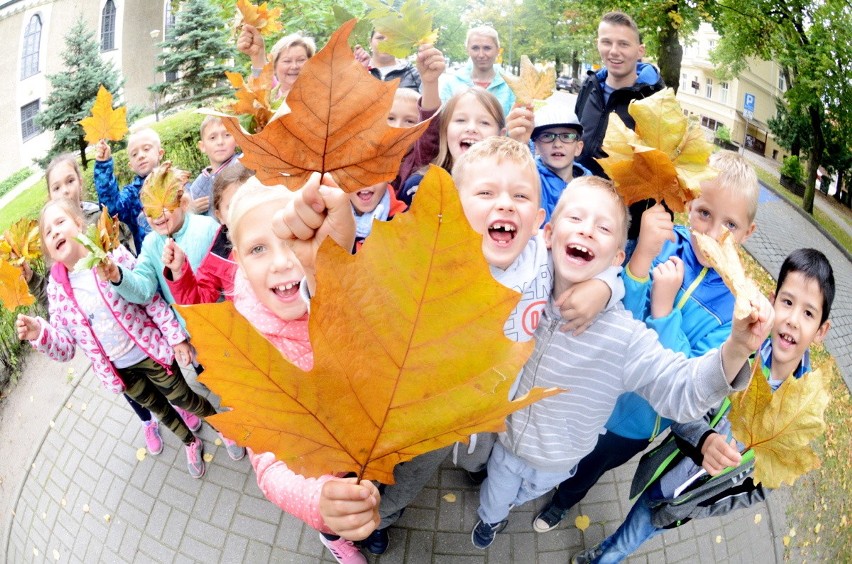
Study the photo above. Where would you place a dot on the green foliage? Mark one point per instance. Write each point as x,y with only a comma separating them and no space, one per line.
27,204
723,134
16,178
197,51
792,168
73,91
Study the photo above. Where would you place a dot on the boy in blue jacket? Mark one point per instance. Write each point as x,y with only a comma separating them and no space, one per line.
683,300
802,303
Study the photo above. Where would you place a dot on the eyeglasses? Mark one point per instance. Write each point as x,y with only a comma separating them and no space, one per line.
564,137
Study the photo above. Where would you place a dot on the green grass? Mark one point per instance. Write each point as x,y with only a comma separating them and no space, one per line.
27,204
15,179
837,231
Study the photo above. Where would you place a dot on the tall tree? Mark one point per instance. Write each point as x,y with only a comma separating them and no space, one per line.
197,51
810,40
73,91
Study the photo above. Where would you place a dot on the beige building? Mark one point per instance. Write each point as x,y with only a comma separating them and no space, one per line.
34,35
715,102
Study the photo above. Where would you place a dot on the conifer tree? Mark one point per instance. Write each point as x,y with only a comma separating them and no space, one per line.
73,91
197,52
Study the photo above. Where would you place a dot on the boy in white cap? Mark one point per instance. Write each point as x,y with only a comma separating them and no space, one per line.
557,135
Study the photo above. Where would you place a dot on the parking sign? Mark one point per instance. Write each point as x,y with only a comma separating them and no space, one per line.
748,106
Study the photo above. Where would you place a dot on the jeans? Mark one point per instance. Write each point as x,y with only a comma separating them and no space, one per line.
636,529
510,482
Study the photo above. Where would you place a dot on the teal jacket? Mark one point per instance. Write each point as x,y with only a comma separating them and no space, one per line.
454,83
699,322
140,284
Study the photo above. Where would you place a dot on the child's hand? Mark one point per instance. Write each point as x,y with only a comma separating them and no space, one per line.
350,510
667,276
200,205
362,56
102,151
27,327
251,43
519,123
430,63
656,228
108,271
747,335
718,454
173,258
580,304
319,210
27,271
183,354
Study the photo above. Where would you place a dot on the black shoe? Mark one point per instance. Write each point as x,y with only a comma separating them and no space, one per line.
377,542
483,533
478,477
549,518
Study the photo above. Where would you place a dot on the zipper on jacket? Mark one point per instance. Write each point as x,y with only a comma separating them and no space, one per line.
686,295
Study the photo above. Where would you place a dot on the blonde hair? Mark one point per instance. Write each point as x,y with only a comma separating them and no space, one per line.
144,131
501,149
407,95
293,40
64,158
737,176
207,122
606,186
483,31
249,196
72,209
486,99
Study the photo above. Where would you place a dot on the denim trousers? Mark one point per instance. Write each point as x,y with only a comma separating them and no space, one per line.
635,530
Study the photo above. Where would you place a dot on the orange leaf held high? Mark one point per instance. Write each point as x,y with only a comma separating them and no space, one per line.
253,96
105,122
403,363
337,123
665,159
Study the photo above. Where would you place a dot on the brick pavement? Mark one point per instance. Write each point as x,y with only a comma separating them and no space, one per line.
157,513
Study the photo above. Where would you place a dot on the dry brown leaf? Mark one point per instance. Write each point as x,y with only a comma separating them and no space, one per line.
722,256
265,20
532,84
337,123
253,97
162,191
402,364
14,292
21,242
105,122
780,426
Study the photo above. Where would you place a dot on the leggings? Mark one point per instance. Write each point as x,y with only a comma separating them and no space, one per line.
153,387
143,413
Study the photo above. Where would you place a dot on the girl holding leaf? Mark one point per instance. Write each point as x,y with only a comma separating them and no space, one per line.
134,349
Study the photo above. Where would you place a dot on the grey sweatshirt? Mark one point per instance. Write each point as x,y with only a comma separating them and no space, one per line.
616,354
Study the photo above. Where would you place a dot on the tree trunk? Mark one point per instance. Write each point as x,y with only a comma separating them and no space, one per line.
83,160
815,158
670,53
575,65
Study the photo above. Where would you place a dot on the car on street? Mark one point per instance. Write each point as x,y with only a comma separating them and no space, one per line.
567,83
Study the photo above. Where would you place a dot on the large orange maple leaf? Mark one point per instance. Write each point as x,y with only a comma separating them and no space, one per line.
780,426
337,123
13,288
409,351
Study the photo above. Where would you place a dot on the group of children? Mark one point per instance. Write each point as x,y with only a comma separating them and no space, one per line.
636,352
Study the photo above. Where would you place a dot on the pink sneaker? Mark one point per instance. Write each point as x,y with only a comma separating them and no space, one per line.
153,440
344,551
192,420
235,451
195,458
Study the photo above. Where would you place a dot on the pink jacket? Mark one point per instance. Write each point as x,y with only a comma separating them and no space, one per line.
297,495
153,327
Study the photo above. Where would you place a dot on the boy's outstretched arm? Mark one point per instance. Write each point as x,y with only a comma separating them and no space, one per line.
655,230
746,336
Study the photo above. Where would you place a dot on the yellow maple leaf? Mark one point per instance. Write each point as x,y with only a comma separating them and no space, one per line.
161,191
723,256
265,20
674,153
21,242
337,123
253,96
13,288
532,84
409,27
105,122
780,426
402,364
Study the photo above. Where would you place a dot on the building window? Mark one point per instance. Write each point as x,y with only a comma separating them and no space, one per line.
782,84
723,94
32,41
108,26
708,89
710,123
29,129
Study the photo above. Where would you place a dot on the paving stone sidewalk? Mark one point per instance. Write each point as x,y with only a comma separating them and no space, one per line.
86,497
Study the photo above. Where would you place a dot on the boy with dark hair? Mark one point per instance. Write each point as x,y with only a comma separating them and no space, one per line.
802,302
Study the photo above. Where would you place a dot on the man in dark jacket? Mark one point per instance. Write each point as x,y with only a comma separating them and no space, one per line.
611,89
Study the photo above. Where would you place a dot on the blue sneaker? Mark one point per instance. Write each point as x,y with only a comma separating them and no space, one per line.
377,542
483,533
